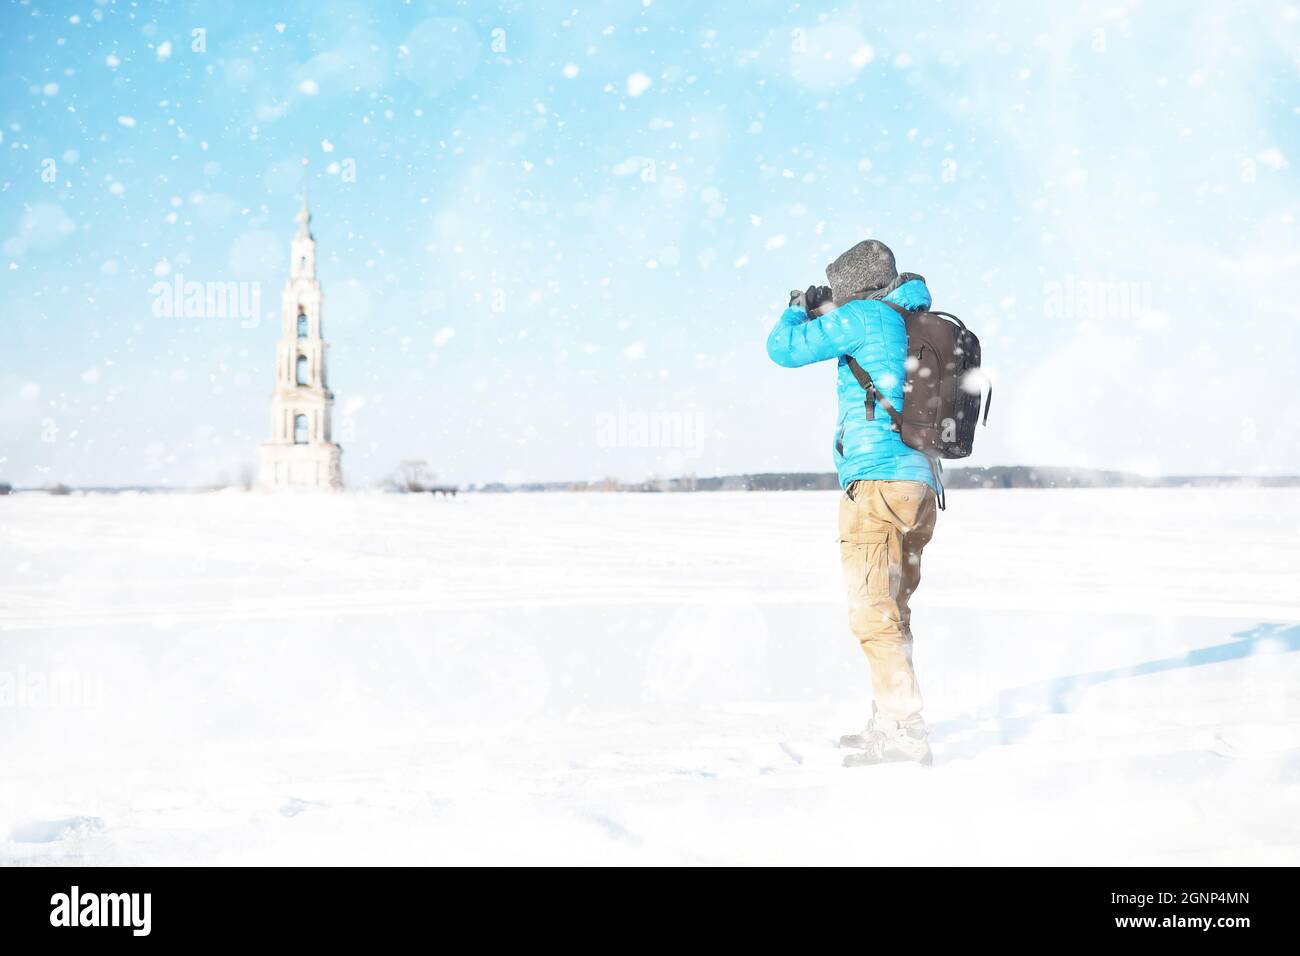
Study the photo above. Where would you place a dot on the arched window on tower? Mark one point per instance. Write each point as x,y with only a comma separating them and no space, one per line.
302,323
300,429
303,373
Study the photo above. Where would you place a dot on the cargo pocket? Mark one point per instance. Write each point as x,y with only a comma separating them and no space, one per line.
865,559
906,501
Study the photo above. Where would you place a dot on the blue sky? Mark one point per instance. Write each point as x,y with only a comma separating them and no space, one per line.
538,219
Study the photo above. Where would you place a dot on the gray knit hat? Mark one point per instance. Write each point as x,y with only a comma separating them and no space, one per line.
865,268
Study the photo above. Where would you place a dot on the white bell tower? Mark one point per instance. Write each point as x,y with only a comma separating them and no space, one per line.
300,453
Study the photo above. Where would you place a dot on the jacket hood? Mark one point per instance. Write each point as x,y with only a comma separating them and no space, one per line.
912,294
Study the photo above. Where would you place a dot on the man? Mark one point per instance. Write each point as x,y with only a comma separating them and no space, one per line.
888,510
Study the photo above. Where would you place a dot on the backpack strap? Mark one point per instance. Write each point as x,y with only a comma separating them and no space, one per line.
864,379
936,469
873,394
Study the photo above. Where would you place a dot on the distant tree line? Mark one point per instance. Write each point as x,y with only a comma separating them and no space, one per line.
413,476
996,476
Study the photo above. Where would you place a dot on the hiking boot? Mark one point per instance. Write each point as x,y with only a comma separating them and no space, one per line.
889,741
859,740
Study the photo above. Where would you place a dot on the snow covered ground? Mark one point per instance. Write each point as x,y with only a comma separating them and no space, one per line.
1112,676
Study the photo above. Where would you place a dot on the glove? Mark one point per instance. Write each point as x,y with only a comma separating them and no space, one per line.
815,297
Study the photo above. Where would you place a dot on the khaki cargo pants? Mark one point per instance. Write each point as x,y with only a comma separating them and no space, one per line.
884,525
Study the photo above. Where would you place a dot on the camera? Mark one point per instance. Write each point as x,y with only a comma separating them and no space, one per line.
816,296
812,300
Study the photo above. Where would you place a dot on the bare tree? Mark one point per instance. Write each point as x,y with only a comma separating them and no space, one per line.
412,475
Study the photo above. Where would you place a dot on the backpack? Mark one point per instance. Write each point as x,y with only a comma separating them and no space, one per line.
943,390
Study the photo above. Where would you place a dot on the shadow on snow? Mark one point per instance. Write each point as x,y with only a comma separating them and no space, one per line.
1018,709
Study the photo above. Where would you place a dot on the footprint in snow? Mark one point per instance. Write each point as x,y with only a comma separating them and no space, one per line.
294,806
51,831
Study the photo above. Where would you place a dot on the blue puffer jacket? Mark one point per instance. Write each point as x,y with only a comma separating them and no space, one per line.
875,335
